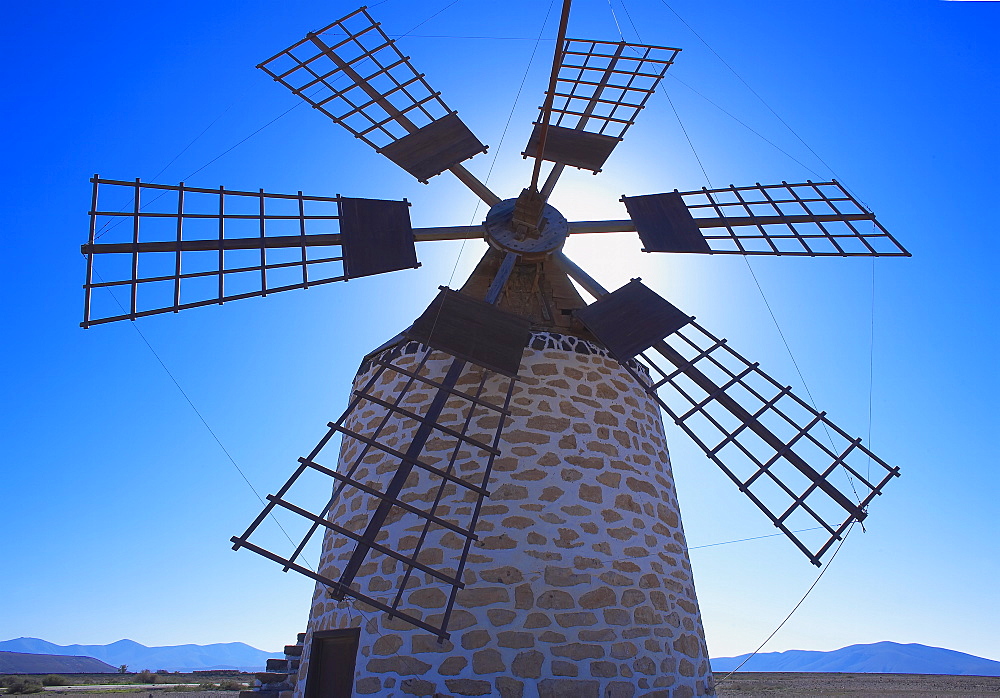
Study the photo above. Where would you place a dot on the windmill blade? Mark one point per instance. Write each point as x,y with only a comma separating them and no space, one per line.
364,83
179,247
600,88
798,467
432,409
815,219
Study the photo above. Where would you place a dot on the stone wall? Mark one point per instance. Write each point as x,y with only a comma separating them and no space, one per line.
580,584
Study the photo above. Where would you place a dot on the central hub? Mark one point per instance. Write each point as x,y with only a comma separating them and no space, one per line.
501,231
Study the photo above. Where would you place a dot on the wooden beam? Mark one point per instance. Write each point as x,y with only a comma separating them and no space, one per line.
458,232
627,226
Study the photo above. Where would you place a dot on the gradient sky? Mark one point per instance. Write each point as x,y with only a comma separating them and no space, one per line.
118,504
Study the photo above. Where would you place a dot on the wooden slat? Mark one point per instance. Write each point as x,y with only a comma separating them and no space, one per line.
631,319
434,148
376,237
473,330
665,224
571,147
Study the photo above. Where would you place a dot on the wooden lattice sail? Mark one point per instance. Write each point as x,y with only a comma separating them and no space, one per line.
501,469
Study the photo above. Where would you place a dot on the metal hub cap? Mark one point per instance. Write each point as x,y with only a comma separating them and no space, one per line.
552,231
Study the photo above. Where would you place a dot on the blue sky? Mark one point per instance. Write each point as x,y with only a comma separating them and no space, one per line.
119,504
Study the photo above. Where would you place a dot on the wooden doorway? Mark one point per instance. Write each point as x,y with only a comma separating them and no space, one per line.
331,663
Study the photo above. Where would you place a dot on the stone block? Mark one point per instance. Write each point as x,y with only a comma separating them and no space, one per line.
537,620
387,644
552,636
578,651
397,623
568,443
619,689
591,493
510,688
500,616
569,688
474,597
545,422
567,538
501,542
584,563
528,664
604,669
562,668
632,597
469,687
474,639
617,616
428,597
645,615
519,436
551,494
591,462
452,666
549,459
417,687
404,666
643,486
502,575
513,638
556,599
645,665
379,584
572,620
602,635
649,581
365,686
524,596
599,598
688,645
487,661
624,650
517,522
564,576
621,533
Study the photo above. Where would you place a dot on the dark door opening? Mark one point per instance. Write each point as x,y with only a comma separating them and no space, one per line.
331,663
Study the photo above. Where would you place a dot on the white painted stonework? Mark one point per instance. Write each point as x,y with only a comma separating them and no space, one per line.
580,584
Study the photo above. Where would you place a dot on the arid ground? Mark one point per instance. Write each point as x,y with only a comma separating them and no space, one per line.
746,684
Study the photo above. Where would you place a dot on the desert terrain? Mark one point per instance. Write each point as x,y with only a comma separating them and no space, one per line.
747,684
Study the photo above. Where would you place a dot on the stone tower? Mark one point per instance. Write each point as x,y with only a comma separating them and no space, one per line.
580,583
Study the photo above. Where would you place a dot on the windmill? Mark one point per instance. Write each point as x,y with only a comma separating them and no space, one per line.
502,511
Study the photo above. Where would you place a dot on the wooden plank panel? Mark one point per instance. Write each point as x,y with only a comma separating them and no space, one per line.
664,223
473,330
572,147
631,319
434,148
376,237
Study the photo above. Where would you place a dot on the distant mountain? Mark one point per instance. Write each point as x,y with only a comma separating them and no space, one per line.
229,655
27,663
877,658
